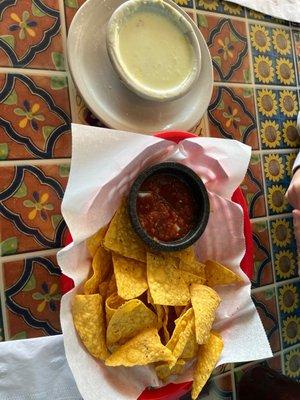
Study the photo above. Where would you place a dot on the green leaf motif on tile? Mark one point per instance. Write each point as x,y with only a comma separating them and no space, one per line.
255,159
30,285
28,203
221,105
58,60
3,151
71,3
260,226
233,38
269,294
58,82
202,21
55,220
21,192
249,197
218,60
36,11
246,75
20,335
18,111
9,39
9,246
247,92
38,296
64,170
47,130
242,129
11,99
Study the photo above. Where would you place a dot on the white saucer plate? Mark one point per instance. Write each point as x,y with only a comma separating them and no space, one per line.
108,98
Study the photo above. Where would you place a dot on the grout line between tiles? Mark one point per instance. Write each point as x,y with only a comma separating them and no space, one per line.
28,71
63,29
3,303
40,161
255,85
275,151
32,254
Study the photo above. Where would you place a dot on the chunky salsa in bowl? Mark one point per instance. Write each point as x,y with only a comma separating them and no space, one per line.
168,206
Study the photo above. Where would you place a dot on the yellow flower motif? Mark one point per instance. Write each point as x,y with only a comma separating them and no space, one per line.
39,204
276,198
284,264
233,9
182,2
29,114
281,233
288,298
267,102
290,159
255,14
273,166
226,49
263,69
288,103
281,41
210,5
284,71
50,297
291,330
260,38
24,25
270,134
292,364
290,133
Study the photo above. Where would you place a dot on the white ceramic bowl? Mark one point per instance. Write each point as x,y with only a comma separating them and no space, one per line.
120,18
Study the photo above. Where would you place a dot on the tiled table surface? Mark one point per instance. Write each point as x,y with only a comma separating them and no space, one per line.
255,100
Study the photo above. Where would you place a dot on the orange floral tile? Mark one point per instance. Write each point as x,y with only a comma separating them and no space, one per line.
34,117
32,297
30,200
30,34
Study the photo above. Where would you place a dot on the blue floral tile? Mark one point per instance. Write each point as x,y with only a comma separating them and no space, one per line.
289,308
272,52
252,14
291,363
263,273
184,3
32,294
282,235
296,40
277,111
34,117
220,6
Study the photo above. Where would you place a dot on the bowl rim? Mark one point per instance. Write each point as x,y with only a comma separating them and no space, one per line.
195,233
114,24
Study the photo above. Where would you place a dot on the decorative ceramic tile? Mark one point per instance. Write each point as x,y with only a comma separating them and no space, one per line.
227,43
1,326
220,388
220,6
289,307
34,117
30,34
83,114
265,302
30,215
296,37
232,115
184,3
252,14
32,297
263,273
277,111
291,362
252,187
272,55
222,369
71,7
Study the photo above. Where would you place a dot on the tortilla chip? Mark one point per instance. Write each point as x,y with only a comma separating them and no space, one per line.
194,267
121,238
191,347
95,241
112,286
165,280
208,356
165,321
178,310
163,371
160,312
131,276
186,255
89,321
181,334
103,287
218,274
112,303
101,266
143,349
149,297
205,301
127,321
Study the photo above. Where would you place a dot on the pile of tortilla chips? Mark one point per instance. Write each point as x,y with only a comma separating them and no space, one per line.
141,307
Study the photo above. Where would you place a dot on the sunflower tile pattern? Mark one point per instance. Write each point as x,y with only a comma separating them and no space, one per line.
255,100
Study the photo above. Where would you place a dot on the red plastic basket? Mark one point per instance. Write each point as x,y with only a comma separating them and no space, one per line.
174,391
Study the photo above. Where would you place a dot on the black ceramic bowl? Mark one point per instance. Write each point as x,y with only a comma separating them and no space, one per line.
196,189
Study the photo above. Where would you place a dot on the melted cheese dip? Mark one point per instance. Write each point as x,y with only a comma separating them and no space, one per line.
154,51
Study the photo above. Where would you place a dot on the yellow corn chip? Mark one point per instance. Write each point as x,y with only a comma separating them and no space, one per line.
145,348
95,241
181,334
165,280
112,303
186,255
129,320
88,317
178,310
217,274
191,347
103,287
194,267
121,238
208,356
131,276
205,301
149,297
101,266
160,315
163,371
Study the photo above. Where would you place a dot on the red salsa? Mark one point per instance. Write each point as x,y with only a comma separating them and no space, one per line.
166,207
